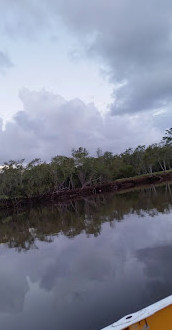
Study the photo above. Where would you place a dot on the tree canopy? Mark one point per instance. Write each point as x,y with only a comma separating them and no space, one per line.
18,179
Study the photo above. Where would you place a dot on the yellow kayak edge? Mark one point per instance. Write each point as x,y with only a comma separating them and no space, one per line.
147,315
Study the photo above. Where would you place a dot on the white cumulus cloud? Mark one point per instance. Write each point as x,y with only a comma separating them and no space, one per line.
49,125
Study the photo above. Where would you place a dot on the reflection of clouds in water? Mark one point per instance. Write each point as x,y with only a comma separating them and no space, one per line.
81,276
86,265
13,287
157,268
108,259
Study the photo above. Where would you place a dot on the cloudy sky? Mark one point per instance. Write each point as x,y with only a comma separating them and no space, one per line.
95,73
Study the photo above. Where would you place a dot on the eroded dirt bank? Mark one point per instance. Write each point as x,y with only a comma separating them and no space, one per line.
67,195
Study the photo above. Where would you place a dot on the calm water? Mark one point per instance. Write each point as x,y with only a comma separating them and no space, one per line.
86,264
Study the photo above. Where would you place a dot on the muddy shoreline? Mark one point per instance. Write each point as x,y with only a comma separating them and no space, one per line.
67,195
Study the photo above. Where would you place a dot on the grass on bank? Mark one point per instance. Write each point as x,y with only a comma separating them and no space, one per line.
144,175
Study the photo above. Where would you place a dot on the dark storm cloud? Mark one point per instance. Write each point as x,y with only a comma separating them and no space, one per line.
133,38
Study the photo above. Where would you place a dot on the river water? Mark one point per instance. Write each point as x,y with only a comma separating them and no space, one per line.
85,264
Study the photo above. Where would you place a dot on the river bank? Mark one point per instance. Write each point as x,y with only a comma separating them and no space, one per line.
67,195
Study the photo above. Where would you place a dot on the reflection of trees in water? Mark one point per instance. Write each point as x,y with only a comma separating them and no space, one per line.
21,230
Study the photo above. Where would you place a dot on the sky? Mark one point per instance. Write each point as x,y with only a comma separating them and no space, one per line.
95,73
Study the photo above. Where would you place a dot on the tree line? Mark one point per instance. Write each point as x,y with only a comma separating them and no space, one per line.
18,179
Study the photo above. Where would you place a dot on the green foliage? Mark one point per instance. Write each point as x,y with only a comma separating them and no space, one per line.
18,179
168,136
